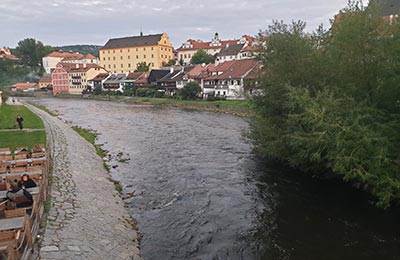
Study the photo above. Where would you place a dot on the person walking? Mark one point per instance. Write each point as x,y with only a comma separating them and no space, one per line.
20,122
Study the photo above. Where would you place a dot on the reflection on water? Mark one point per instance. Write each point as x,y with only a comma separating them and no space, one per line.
200,193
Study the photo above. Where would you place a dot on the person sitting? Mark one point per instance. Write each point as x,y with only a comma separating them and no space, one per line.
26,182
21,197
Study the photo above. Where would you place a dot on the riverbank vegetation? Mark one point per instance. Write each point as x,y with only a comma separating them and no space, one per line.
331,101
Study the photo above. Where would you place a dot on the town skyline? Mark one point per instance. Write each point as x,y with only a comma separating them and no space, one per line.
60,22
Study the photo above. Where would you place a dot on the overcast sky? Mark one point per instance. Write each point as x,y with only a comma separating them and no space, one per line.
65,22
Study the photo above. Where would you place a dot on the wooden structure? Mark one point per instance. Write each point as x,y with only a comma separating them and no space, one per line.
19,225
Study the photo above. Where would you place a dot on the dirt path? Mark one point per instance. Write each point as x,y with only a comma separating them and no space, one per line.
87,219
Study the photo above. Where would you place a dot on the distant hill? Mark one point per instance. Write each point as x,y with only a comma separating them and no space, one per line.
84,49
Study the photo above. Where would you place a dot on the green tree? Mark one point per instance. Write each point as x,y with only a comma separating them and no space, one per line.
31,52
190,91
170,63
201,56
330,101
142,67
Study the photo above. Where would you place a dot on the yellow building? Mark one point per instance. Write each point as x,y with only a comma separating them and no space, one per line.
79,75
122,55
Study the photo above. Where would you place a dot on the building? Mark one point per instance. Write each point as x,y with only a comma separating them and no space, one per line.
50,61
80,74
5,53
98,81
122,55
25,87
213,47
59,78
232,79
45,82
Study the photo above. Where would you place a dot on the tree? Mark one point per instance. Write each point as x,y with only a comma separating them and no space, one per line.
201,56
31,52
142,67
330,101
170,63
190,91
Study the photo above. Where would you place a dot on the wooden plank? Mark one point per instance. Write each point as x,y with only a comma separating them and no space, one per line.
12,223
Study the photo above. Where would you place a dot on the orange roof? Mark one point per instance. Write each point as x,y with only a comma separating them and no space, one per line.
24,86
45,80
235,69
90,57
82,67
56,54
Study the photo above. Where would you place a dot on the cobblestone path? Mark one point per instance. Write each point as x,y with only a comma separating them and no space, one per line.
87,219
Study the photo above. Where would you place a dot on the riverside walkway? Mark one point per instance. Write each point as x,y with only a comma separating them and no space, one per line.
87,219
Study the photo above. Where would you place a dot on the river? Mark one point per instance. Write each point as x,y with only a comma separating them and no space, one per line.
199,192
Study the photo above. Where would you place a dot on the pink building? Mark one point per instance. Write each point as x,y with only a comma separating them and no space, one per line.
59,78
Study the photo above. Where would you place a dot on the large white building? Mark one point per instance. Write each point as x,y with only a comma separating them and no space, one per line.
50,61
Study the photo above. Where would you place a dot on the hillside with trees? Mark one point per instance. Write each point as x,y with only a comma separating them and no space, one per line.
84,49
330,102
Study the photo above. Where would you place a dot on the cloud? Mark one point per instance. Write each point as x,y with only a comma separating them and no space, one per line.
59,22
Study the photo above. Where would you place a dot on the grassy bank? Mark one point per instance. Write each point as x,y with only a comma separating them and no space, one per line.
43,108
13,139
22,139
8,115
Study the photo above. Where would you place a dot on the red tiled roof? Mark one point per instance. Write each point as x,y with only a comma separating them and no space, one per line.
69,55
100,77
90,57
235,69
82,67
45,80
134,75
23,86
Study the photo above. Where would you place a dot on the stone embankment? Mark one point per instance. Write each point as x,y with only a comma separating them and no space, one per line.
87,219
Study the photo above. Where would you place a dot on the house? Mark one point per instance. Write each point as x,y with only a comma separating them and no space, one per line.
115,82
156,75
122,55
25,87
213,47
142,81
229,79
230,52
45,82
59,78
98,81
170,82
79,75
132,78
50,61
5,53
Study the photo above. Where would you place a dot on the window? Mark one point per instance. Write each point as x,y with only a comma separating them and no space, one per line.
122,65
137,56
144,56
104,52
137,49
108,51
129,65
152,64
129,57
152,55
113,51
104,58
113,58
162,48
162,56
129,50
122,58
114,66
144,49
152,48
120,51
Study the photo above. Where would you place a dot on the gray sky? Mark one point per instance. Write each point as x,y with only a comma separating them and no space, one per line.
65,22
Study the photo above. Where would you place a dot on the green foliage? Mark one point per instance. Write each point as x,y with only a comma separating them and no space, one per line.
201,56
83,49
142,67
11,73
31,52
330,101
170,63
190,91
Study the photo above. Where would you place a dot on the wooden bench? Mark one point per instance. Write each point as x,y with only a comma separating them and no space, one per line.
8,243
20,156
5,157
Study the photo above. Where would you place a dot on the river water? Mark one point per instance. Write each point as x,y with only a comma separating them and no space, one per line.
199,192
